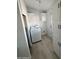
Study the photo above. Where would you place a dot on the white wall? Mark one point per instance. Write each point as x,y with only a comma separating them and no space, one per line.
38,19
49,24
43,5
33,19
43,23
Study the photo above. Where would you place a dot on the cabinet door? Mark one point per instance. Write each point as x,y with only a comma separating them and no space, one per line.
56,47
56,37
57,29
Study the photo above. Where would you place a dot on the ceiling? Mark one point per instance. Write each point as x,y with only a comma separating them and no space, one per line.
40,5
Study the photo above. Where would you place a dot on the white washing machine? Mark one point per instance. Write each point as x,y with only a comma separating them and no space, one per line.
35,34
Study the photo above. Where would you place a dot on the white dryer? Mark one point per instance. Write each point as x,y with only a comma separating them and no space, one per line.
35,34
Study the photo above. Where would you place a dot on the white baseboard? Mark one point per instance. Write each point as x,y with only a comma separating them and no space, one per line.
23,57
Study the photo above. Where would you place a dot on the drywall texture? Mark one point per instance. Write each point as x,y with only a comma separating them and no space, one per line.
38,19
49,24
33,19
43,23
22,44
40,4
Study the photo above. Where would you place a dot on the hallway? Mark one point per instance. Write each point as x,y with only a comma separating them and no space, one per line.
43,49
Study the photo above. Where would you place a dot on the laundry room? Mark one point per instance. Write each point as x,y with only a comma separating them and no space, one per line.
41,27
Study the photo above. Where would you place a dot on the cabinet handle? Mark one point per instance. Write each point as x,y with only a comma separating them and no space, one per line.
59,26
